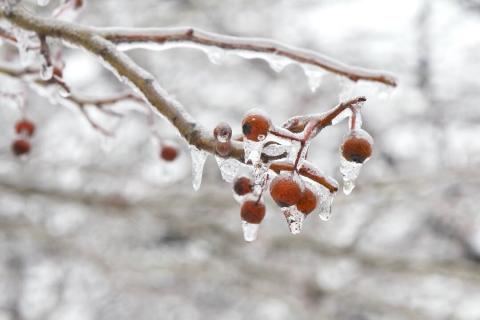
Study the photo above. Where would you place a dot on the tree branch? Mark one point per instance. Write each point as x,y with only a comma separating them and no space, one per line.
138,38
103,42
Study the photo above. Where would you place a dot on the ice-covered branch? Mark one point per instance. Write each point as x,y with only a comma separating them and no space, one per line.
187,36
129,72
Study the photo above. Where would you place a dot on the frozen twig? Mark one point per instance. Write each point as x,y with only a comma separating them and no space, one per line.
134,38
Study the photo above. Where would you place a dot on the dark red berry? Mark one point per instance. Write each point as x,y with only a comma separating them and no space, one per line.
25,126
307,202
20,147
252,211
255,126
168,153
242,186
356,148
285,191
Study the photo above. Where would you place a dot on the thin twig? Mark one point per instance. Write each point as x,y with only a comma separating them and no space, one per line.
132,38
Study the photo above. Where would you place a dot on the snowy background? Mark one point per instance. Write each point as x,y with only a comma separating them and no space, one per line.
100,228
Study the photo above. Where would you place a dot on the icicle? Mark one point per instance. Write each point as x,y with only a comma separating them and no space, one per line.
43,3
228,168
294,218
314,76
198,161
350,171
325,199
250,231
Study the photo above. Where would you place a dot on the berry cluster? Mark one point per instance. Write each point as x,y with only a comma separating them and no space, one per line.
276,158
25,129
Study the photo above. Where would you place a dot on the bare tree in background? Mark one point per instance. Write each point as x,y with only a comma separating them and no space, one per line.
99,127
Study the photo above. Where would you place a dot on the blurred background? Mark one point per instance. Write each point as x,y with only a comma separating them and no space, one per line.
93,227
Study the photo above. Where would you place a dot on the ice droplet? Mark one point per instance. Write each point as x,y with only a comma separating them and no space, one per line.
43,3
350,171
314,76
198,162
216,56
294,219
250,231
228,168
277,63
63,92
325,198
384,92
46,72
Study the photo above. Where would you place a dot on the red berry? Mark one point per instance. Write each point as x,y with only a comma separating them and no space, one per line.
168,153
25,126
285,191
20,147
252,211
77,4
307,202
357,146
58,72
255,126
222,132
223,148
242,186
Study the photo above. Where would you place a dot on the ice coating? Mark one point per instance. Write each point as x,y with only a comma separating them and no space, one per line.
46,71
274,149
347,113
350,169
198,162
311,169
228,168
356,120
294,219
271,51
253,150
250,231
